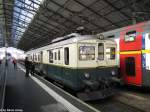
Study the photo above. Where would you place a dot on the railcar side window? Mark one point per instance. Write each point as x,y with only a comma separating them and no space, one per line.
111,36
58,54
50,56
87,53
35,57
38,57
30,58
100,51
130,66
66,55
110,53
41,56
55,55
130,36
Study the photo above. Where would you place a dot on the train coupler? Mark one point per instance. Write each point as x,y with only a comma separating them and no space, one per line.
96,95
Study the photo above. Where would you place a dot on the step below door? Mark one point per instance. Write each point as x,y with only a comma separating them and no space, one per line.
131,68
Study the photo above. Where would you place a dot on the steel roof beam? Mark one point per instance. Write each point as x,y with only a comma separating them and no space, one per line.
53,20
77,15
93,11
61,16
117,9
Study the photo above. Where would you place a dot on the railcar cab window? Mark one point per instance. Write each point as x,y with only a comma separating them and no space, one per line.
110,53
66,55
51,56
130,36
101,51
87,53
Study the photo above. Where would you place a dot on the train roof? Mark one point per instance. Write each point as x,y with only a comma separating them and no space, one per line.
71,38
113,32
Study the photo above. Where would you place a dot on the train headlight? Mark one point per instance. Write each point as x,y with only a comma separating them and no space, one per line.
87,75
113,72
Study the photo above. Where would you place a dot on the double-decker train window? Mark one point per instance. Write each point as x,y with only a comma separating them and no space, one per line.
66,55
130,36
101,51
110,53
50,56
130,66
87,53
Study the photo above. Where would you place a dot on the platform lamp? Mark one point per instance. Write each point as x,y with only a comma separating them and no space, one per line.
80,30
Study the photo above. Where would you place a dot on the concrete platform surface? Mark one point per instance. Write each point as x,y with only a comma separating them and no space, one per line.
30,94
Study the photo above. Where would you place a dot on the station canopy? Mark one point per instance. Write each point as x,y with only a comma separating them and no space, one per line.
28,24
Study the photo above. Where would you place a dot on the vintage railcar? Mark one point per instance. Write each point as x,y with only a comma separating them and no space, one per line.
80,62
133,53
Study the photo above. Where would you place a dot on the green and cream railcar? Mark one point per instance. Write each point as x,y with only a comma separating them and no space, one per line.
81,62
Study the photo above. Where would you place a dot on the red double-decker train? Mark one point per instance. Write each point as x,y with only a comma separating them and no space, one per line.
133,53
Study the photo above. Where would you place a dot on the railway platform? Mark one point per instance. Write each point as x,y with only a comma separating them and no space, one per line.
35,94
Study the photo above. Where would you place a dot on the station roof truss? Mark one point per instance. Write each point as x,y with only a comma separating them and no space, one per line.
31,23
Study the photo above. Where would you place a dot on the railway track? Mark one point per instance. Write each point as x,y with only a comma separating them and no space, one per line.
111,104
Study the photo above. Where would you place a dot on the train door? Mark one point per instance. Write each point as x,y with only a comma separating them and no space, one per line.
101,55
131,68
146,59
60,62
130,54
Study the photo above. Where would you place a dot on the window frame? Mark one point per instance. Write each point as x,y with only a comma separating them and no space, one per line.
103,52
86,45
111,36
66,56
110,53
41,58
51,60
59,55
55,55
130,33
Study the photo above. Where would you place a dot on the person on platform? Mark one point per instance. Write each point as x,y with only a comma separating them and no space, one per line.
0,62
14,61
6,62
27,66
32,68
